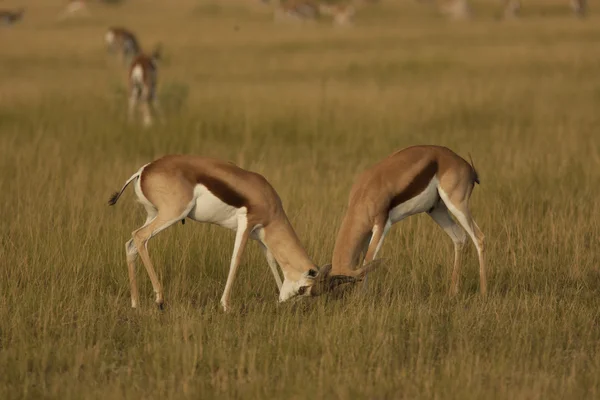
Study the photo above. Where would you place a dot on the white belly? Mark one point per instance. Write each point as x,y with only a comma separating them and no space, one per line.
209,208
418,204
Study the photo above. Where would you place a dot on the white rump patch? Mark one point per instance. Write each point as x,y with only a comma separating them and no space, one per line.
137,74
137,185
109,37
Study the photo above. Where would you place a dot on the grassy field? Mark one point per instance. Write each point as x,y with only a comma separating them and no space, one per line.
309,108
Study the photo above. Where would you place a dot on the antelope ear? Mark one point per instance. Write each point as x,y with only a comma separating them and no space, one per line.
311,273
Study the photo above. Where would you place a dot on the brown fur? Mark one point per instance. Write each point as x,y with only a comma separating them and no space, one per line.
231,184
144,91
168,183
125,42
396,179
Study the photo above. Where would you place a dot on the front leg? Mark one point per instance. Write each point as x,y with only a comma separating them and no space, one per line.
379,232
273,265
241,238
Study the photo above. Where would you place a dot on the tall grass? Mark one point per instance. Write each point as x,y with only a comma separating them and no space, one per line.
309,108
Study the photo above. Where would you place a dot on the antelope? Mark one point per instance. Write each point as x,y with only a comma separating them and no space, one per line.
203,189
75,7
456,9
143,75
10,17
342,14
123,42
297,10
429,179
311,10
511,8
579,7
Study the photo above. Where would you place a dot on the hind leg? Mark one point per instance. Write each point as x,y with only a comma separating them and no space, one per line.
131,254
163,220
146,108
441,216
460,210
133,102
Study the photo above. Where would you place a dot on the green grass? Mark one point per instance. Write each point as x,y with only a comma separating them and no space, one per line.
309,108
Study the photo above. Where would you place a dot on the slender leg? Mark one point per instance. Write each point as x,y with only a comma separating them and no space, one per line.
131,254
442,217
379,232
463,215
146,114
133,100
156,107
272,265
241,238
144,234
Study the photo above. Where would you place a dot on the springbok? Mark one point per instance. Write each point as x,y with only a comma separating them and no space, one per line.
75,7
297,10
10,17
511,8
341,14
579,7
143,76
311,10
456,9
204,189
123,42
430,179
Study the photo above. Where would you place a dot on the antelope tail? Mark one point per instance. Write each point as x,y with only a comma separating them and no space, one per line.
115,196
475,174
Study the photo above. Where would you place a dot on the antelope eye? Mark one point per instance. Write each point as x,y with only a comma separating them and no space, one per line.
301,290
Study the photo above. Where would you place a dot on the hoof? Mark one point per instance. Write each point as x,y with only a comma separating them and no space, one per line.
161,307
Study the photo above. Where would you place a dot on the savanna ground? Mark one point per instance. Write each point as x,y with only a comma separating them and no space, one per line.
308,107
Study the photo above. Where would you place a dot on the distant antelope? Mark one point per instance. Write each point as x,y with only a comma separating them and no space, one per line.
297,10
456,9
430,179
123,42
311,10
204,189
75,7
579,7
342,14
10,17
512,7
143,76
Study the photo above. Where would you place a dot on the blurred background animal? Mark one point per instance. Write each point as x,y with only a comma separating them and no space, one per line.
8,17
143,75
122,42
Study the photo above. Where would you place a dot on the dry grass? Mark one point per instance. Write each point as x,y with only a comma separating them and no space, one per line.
309,109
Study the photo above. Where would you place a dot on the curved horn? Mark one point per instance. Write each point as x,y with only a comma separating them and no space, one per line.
368,267
324,272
